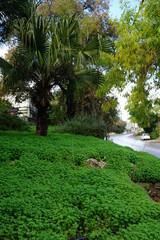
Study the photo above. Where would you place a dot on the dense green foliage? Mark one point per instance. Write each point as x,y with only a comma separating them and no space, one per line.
58,109
48,192
137,55
154,134
13,123
48,54
10,122
119,126
94,115
93,13
83,124
10,12
4,106
142,109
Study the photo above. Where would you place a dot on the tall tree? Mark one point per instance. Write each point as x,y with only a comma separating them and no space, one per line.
141,108
77,62
137,58
93,13
49,53
138,48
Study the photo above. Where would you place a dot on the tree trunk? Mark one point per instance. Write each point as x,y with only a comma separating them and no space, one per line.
71,107
70,101
42,121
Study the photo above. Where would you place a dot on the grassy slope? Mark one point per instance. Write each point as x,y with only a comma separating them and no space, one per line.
48,192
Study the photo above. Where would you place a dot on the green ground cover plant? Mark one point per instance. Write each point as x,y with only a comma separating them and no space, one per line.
48,192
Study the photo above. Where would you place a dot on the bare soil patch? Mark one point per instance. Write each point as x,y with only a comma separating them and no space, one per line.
153,190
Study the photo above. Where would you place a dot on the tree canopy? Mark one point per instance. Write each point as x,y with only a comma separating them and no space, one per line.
137,56
92,13
51,52
141,109
10,12
65,44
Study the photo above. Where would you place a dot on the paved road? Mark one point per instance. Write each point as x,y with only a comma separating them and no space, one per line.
138,145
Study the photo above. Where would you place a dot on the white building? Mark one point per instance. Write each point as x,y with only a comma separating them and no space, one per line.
26,109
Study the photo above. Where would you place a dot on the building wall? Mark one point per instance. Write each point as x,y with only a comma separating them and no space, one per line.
25,109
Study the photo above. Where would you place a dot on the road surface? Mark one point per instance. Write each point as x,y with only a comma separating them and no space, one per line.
138,145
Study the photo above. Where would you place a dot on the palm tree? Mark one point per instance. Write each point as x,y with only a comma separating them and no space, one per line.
76,59
50,53
29,72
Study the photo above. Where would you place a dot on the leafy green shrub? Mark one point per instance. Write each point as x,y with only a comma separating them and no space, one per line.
83,125
119,126
13,123
154,134
10,122
4,106
57,113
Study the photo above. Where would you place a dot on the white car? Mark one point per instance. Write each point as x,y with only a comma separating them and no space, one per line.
145,136
124,133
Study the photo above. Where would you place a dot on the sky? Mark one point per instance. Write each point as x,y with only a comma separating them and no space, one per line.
115,12
3,50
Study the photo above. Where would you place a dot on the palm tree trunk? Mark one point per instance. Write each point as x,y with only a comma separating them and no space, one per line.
71,106
42,121
70,99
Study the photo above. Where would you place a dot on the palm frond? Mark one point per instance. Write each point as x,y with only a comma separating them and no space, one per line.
34,36
106,44
88,76
15,78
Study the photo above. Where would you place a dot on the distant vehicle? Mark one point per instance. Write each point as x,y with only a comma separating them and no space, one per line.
145,136
124,133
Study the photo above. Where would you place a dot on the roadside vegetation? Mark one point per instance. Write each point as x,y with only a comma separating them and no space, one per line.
69,59
73,56
49,192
